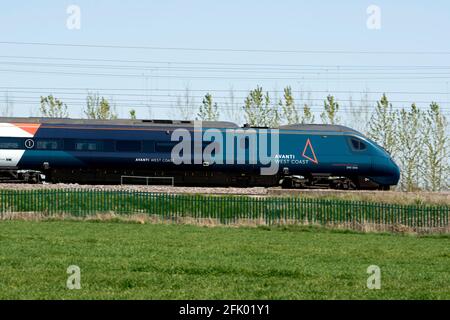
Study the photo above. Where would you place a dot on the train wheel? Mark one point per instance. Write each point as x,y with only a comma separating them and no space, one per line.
287,183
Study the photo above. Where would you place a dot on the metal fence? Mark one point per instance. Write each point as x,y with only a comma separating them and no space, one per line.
224,209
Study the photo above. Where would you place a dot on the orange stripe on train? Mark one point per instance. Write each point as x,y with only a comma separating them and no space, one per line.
31,128
18,130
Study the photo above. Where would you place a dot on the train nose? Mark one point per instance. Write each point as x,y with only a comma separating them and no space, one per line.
386,171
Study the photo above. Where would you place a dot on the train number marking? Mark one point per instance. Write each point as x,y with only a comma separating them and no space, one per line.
29,143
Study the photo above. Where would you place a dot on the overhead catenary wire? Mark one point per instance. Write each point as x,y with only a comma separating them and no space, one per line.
237,50
413,73
177,105
220,78
97,89
260,73
205,63
240,98
335,71
311,69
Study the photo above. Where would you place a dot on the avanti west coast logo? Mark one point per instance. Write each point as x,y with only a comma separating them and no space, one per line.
227,147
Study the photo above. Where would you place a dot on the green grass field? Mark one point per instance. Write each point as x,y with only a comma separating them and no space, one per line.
144,261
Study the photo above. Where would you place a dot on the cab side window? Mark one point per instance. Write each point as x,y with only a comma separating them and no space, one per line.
358,145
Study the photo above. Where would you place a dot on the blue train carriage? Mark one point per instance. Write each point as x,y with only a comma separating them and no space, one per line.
141,151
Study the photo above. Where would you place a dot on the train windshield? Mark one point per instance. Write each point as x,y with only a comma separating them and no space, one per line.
358,145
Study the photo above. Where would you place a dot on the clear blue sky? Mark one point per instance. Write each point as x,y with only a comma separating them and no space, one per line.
406,26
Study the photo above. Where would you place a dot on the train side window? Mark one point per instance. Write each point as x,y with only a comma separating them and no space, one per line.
208,143
48,145
9,143
86,146
165,147
217,148
204,144
149,146
108,146
358,144
245,143
128,146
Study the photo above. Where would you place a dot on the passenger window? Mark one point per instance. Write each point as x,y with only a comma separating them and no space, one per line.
86,146
215,145
165,147
47,145
245,143
149,146
128,146
358,144
9,144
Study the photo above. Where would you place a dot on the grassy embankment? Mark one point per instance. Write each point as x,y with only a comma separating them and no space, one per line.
157,261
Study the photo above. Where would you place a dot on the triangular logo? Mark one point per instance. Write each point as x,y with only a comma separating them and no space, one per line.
309,153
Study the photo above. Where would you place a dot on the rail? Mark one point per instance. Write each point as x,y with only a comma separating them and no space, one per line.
147,179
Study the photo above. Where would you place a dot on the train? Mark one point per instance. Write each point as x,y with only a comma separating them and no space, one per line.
191,153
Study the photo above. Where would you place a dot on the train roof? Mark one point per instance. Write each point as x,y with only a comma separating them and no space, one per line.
170,123
318,127
124,122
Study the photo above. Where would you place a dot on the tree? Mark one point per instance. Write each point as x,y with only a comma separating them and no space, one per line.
307,116
208,110
9,106
364,111
133,114
289,112
410,138
98,108
436,154
258,109
359,114
52,107
233,107
351,113
185,105
382,125
331,108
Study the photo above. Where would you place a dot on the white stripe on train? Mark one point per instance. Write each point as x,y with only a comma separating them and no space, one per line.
10,158
11,130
